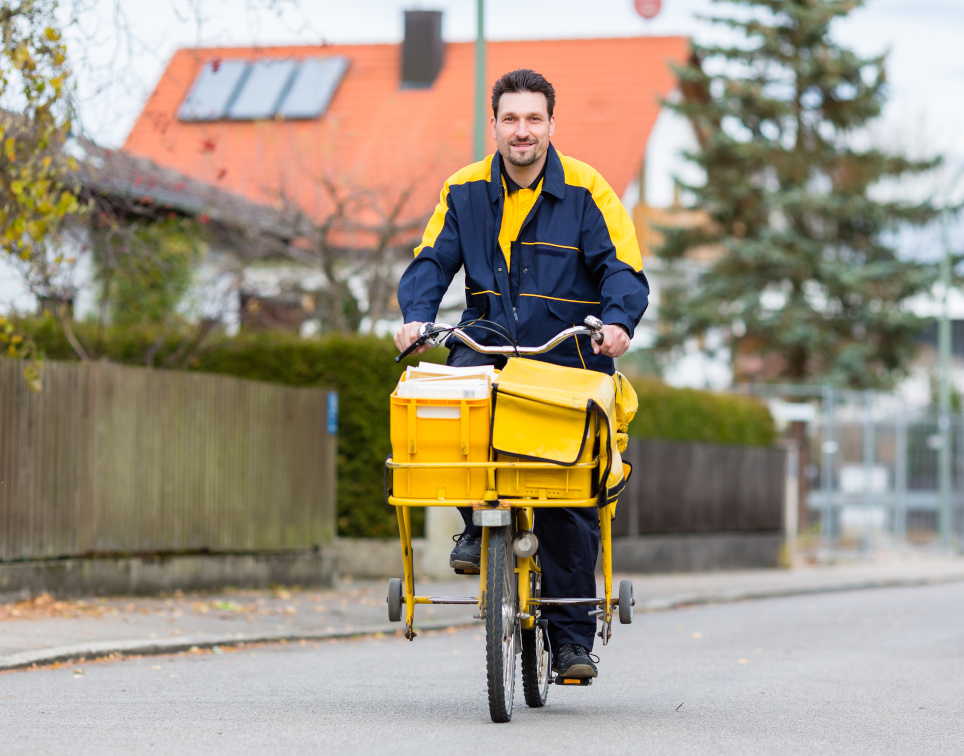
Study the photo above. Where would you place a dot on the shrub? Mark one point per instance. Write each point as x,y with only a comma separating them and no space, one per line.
691,415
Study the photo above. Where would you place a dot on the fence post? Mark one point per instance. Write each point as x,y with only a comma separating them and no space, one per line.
960,481
869,438
828,448
791,504
944,476
900,475
441,523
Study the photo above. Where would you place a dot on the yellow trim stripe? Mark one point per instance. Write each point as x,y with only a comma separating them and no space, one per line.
437,221
480,171
473,293
622,233
559,299
579,352
547,244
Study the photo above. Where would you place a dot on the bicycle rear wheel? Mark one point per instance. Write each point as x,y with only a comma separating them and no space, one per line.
535,655
500,623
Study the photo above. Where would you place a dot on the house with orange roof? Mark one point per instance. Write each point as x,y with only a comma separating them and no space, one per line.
378,130
353,142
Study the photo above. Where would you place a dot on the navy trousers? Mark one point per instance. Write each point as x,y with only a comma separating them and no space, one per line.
568,546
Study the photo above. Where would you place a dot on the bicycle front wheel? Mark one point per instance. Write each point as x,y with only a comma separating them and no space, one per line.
500,624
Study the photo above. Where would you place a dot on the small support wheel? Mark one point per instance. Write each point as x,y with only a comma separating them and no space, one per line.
626,601
395,600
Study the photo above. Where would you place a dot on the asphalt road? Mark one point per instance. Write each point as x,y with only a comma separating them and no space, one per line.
865,672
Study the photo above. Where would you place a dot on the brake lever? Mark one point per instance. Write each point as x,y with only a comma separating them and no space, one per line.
427,333
411,348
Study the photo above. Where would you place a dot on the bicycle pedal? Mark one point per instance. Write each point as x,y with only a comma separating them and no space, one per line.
560,680
466,572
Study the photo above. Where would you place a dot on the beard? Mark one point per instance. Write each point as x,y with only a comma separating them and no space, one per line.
522,162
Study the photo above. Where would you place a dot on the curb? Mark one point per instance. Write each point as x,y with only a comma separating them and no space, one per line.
732,597
42,657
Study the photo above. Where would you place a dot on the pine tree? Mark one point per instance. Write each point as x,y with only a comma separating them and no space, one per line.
806,278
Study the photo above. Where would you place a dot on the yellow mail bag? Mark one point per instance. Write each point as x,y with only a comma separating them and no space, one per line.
567,417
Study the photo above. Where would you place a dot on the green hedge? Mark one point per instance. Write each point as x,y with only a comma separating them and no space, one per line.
689,415
363,371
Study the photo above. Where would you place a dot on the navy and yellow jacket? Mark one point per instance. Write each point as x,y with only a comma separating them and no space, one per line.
576,255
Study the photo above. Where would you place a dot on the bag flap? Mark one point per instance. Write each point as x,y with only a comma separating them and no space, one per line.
526,427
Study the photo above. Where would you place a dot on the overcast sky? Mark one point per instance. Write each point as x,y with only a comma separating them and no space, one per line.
119,71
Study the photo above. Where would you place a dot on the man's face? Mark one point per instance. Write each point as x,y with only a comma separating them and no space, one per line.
523,127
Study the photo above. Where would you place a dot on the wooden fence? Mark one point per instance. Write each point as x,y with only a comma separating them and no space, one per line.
684,488
118,460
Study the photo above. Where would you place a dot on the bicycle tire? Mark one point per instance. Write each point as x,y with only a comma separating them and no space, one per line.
500,622
536,661
626,601
395,600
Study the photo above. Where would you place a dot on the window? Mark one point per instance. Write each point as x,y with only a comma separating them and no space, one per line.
243,91
262,90
213,90
313,87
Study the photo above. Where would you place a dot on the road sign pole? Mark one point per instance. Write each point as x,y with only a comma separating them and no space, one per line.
944,397
480,118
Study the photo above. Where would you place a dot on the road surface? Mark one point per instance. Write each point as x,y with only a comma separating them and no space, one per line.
861,672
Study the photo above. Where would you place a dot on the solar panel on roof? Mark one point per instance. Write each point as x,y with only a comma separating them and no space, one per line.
213,90
265,85
313,87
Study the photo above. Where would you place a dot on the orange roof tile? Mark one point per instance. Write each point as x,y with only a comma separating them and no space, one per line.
376,135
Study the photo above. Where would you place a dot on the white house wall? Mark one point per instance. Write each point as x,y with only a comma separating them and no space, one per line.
76,273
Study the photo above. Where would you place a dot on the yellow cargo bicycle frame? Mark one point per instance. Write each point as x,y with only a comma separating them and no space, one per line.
550,436
523,512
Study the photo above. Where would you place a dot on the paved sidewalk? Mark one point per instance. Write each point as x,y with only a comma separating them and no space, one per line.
44,631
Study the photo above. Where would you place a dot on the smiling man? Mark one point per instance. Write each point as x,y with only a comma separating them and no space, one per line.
544,242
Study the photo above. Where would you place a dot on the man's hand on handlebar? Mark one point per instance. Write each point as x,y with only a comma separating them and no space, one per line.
615,341
407,335
610,340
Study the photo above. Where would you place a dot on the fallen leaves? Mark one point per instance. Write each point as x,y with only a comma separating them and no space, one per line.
45,606
228,606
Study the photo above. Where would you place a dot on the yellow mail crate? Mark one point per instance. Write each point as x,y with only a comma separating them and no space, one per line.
430,430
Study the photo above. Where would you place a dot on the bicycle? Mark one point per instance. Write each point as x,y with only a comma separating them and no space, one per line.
504,489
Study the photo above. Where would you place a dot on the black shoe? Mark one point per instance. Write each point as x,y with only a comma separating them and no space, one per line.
572,660
467,554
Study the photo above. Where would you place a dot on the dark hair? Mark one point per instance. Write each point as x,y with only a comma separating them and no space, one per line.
522,80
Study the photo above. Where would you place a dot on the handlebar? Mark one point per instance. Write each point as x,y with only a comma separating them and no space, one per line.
430,333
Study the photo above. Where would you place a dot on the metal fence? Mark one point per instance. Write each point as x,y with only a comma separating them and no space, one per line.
686,488
876,475
874,465
117,460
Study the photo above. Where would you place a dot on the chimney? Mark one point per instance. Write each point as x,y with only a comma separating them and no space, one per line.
422,49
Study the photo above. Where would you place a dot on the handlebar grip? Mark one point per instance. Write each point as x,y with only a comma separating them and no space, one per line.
411,348
598,337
